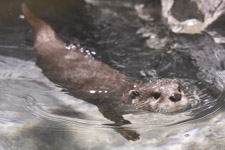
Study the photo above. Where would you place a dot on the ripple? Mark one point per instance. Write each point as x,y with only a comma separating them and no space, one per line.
12,68
205,100
46,114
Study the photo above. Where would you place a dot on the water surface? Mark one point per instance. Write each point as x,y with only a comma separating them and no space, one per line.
38,114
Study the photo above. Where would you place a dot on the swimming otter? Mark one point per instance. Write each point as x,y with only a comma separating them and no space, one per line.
97,83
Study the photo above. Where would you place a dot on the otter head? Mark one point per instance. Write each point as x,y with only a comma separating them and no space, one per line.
164,95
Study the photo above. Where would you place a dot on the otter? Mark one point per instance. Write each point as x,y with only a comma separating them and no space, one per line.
95,82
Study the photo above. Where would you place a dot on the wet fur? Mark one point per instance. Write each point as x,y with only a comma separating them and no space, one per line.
73,69
89,79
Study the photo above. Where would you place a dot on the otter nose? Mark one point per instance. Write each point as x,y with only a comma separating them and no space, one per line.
176,97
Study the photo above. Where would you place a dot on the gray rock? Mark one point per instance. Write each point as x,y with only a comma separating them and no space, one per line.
191,16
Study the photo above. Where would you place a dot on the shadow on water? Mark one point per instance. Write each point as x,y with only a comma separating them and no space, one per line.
110,30
48,137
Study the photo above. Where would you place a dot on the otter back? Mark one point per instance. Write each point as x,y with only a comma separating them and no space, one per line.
83,76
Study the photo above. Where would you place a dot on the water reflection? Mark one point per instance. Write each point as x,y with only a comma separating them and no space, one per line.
36,114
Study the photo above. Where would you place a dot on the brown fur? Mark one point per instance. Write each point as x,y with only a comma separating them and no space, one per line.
95,82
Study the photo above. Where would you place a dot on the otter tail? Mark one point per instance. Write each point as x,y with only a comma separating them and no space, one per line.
43,33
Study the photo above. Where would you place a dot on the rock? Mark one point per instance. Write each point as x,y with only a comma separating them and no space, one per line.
191,16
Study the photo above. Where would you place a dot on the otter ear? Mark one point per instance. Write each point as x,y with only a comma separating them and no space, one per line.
133,94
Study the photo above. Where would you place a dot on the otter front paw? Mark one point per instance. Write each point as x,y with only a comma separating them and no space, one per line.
129,134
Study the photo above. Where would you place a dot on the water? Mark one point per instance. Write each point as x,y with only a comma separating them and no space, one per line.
38,114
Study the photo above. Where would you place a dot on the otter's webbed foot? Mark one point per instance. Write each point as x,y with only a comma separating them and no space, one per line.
116,117
128,134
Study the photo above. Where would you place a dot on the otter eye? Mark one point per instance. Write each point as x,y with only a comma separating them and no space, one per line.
179,89
133,94
156,95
